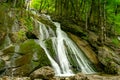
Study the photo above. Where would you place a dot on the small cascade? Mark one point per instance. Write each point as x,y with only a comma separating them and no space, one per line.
67,54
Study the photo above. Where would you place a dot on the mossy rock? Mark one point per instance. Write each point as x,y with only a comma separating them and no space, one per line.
9,49
43,19
112,68
8,52
5,19
29,57
109,59
73,28
50,48
2,65
30,46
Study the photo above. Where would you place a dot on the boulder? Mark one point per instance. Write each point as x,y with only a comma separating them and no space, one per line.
109,59
7,53
27,57
80,76
45,72
85,47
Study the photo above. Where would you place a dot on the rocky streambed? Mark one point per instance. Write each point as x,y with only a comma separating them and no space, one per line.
47,73
78,76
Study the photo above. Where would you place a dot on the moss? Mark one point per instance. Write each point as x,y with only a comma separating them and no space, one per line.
2,65
44,21
30,56
9,50
49,46
5,20
107,59
29,46
21,35
73,28
111,68
116,42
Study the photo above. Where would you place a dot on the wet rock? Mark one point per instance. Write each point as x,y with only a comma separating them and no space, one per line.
80,76
109,59
2,65
103,77
14,78
31,35
7,53
2,36
85,47
27,57
9,49
17,36
45,72
13,36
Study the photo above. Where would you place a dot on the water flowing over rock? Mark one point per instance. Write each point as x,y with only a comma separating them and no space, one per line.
65,53
86,49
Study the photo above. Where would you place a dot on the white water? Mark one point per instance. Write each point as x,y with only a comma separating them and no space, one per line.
65,50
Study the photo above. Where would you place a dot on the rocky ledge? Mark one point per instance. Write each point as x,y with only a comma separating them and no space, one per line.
47,73
78,76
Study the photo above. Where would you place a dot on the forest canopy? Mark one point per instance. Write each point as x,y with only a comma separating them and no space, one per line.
100,16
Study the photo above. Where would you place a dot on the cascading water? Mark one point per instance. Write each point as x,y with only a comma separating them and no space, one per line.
67,54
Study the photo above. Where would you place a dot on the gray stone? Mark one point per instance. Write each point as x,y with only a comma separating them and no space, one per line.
109,59
45,72
2,65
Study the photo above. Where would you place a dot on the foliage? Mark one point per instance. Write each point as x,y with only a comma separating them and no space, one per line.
42,5
28,23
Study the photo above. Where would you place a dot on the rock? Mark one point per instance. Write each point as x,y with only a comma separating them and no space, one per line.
29,57
31,35
7,52
2,36
13,36
17,36
85,47
25,58
80,76
103,77
14,78
2,65
9,49
45,72
109,59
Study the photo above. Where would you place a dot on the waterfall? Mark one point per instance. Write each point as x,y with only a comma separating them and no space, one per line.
66,51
